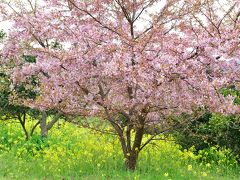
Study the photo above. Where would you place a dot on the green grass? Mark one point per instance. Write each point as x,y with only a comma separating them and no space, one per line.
76,153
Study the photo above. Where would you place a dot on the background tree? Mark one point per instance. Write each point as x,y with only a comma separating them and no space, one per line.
217,129
213,129
10,107
9,111
128,63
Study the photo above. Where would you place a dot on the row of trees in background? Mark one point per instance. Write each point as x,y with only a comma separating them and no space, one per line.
93,58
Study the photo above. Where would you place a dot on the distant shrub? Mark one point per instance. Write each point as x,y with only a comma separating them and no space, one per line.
211,130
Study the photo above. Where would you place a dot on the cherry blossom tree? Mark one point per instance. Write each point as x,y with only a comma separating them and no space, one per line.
10,111
135,63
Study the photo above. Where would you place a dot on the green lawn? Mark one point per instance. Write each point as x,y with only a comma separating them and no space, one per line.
74,153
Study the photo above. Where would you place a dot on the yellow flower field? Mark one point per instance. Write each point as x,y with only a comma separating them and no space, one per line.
75,153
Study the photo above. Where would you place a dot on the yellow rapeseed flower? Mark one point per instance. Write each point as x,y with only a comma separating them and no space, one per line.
208,164
189,167
166,174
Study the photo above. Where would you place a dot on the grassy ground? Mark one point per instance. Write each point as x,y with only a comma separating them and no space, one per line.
75,153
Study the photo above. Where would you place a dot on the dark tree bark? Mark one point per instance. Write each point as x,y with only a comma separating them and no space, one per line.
130,149
34,127
22,120
132,156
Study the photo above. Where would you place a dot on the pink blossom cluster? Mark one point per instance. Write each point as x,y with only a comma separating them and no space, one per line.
108,63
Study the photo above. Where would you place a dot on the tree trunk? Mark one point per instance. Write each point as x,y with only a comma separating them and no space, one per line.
132,156
43,125
130,151
131,161
44,132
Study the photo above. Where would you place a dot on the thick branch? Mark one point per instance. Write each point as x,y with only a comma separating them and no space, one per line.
22,122
34,127
53,121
